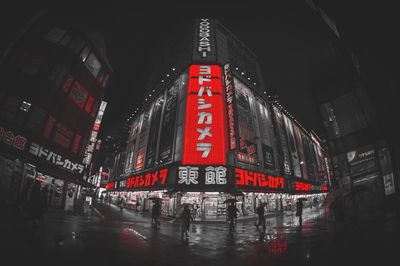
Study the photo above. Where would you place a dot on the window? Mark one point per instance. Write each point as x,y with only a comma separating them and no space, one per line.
55,35
75,144
93,64
85,53
57,74
89,105
78,94
67,83
63,136
102,78
49,126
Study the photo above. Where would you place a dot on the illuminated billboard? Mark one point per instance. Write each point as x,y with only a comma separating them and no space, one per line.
204,132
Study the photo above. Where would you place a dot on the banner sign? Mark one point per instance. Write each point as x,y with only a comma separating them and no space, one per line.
204,133
256,180
230,106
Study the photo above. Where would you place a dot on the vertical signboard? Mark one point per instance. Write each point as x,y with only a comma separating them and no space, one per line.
143,139
287,169
300,149
153,133
230,107
319,164
247,150
292,146
266,134
204,41
132,144
204,134
168,123
308,156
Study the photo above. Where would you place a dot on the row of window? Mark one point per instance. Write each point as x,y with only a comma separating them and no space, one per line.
78,45
37,120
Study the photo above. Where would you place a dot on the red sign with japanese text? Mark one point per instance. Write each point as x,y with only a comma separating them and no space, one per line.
148,180
205,133
255,179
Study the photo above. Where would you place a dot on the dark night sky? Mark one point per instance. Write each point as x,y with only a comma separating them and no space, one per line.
283,34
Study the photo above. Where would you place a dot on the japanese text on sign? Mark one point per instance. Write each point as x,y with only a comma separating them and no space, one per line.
54,158
9,138
213,175
148,180
250,178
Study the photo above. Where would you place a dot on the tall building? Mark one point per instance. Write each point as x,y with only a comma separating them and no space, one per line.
361,152
53,80
208,131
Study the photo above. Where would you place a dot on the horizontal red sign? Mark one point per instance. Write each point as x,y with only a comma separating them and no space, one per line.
300,186
255,179
148,180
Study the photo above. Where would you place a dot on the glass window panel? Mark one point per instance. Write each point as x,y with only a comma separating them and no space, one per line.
85,53
93,64
78,94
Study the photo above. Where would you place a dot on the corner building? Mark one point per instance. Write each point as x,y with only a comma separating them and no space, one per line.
208,132
53,82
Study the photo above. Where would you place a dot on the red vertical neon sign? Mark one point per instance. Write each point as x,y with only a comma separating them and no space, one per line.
205,133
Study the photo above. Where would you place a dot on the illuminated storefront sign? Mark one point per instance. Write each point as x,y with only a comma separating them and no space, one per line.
148,180
204,135
307,187
55,159
230,106
110,185
202,175
9,138
204,43
259,180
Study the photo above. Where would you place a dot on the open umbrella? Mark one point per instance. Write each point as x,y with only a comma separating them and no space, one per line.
230,200
154,198
333,195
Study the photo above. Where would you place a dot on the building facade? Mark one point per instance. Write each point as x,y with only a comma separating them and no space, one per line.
53,81
362,154
208,132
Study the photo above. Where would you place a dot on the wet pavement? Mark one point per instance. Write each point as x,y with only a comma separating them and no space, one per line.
109,236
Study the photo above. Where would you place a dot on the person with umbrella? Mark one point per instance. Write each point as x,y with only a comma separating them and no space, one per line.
155,213
261,218
186,219
232,214
299,210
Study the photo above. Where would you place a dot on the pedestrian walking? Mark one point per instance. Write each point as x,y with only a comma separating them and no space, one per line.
299,211
186,219
155,214
261,218
101,198
232,215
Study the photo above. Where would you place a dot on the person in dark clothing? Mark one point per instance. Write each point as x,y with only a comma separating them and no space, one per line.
261,218
232,215
338,213
155,213
299,211
186,219
35,209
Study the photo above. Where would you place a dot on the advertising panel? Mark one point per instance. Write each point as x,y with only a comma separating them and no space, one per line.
204,133
154,130
308,155
300,149
362,160
230,107
132,144
168,123
143,138
388,182
247,150
287,169
204,41
266,134
292,146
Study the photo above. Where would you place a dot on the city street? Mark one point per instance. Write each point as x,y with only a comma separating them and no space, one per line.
109,236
